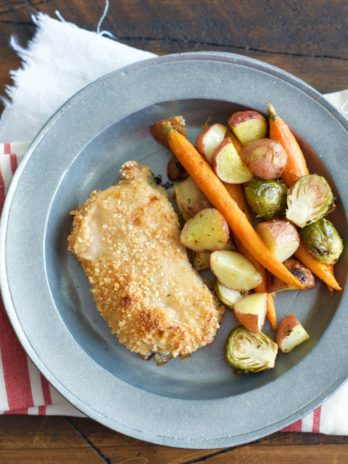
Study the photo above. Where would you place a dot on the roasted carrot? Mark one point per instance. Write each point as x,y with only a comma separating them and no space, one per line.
236,193
296,167
271,311
279,131
321,270
216,192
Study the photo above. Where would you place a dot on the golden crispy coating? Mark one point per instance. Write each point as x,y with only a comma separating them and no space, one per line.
127,241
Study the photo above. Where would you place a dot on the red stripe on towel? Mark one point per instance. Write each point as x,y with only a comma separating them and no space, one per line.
2,192
7,148
45,390
316,419
295,427
13,159
15,366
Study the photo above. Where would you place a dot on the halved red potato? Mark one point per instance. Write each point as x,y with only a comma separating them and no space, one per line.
228,165
208,230
234,270
265,158
209,139
189,199
248,126
280,237
290,333
251,311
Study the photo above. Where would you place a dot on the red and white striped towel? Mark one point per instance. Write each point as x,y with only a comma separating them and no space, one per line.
60,61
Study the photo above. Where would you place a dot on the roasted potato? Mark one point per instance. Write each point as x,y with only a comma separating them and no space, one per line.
251,311
234,270
208,230
189,199
265,158
228,165
201,260
248,126
280,237
209,139
290,333
226,295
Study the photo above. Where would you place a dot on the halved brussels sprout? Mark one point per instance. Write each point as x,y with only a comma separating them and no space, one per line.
267,198
250,352
323,241
309,199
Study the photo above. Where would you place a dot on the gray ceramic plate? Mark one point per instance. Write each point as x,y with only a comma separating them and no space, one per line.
197,403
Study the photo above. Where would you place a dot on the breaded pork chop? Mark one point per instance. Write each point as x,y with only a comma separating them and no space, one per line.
127,241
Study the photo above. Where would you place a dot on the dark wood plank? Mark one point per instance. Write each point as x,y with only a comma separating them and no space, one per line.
308,39
54,440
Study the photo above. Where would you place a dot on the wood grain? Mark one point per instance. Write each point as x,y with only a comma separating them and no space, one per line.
308,39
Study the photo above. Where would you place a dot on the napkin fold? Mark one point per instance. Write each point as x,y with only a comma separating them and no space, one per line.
59,61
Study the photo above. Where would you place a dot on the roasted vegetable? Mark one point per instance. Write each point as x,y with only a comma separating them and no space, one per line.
251,311
214,189
159,129
267,198
201,260
226,295
209,139
302,273
279,131
265,158
250,352
309,199
189,199
234,271
321,270
208,230
290,333
248,126
323,241
280,236
175,171
228,164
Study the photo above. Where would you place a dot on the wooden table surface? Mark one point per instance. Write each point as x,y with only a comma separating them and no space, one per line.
306,38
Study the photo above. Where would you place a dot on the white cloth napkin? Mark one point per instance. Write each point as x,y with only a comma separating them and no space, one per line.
60,60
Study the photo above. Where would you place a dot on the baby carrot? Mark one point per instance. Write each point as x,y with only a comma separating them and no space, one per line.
279,131
295,168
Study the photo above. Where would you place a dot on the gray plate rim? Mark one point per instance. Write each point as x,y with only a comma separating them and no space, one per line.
114,423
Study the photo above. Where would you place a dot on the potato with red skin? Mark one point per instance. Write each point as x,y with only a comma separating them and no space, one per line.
248,126
160,128
228,165
209,139
189,199
251,311
265,158
290,333
280,237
